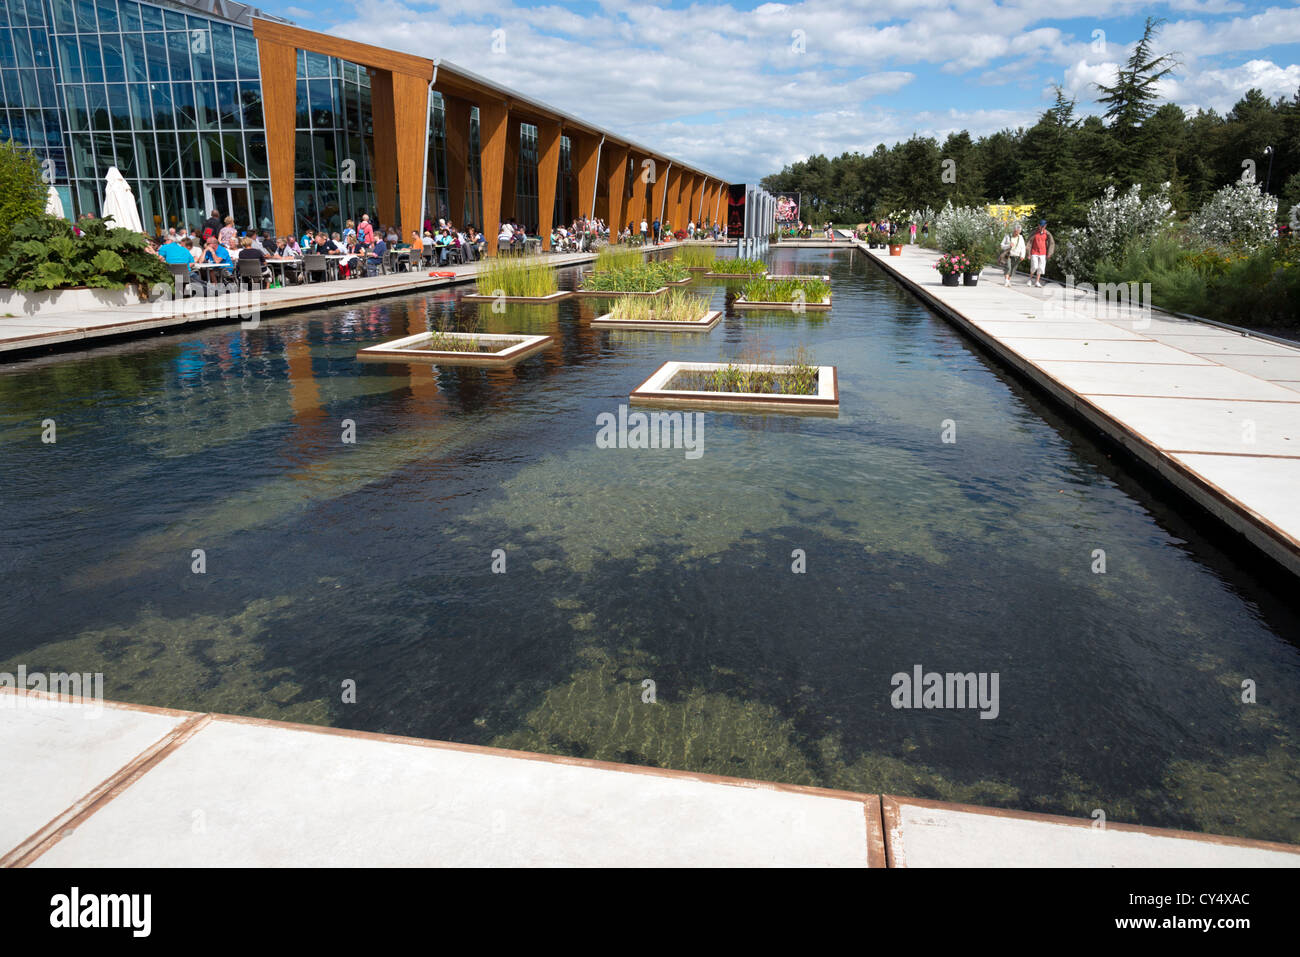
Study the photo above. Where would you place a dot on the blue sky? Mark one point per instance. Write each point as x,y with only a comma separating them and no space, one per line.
743,88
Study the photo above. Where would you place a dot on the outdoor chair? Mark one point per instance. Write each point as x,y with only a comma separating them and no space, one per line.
181,280
314,264
249,271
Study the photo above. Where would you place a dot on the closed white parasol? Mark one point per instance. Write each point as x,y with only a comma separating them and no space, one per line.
119,202
53,204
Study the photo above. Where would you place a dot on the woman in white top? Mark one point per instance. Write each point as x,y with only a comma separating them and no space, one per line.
1013,250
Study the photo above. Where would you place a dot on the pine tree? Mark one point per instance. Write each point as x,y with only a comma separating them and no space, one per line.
1131,101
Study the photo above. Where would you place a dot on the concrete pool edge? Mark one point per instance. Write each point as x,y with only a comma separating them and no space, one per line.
1257,528
780,824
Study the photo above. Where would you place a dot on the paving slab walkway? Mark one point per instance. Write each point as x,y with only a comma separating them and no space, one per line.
95,784
1215,411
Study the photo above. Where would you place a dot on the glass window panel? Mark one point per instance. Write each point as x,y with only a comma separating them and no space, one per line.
251,97
155,51
87,197
173,197
126,161
320,94
326,161
23,48
145,163
70,60
201,52
183,99
133,54
246,55
151,208
169,155
119,106
302,65
17,126
27,84
228,105
53,128
131,20
41,55
317,65
103,153
6,131
92,68
107,14
260,195
97,104
141,110
63,16
205,105
210,156
302,162
85,14
164,110
78,118
17,14
174,20
191,167
7,57
258,167
45,87
114,68
152,17
12,95
232,145
304,113
178,53
223,52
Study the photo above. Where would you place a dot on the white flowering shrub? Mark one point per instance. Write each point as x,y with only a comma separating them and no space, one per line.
965,229
1113,222
1240,214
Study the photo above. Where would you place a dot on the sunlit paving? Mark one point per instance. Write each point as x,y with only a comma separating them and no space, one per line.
415,456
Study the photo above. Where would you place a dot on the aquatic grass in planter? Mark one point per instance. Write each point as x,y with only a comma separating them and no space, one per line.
786,290
677,306
738,267
696,257
517,277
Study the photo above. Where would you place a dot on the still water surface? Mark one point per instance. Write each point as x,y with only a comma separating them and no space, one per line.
372,561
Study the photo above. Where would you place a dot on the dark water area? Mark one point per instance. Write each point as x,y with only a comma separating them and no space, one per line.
372,561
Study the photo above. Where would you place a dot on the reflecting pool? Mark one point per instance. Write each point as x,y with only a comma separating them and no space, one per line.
372,561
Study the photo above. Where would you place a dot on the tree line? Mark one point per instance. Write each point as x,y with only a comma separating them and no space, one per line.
1064,161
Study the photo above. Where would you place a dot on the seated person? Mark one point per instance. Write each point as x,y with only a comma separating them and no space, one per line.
215,252
375,259
247,250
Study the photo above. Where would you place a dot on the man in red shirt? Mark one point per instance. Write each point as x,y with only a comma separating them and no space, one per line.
1042,245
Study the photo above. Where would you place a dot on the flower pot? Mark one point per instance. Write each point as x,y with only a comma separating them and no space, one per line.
970,278
951,279
895,249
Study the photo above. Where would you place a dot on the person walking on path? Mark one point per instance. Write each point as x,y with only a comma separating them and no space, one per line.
912,229
645,232
1042,246
1013,250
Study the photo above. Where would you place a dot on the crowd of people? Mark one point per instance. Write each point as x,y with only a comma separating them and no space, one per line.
656,232
359,249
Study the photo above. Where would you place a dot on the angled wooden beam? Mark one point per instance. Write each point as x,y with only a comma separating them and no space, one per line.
492,121
279,65
548,172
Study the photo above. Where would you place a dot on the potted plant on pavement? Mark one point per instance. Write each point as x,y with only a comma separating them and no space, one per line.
975,262
951,266
897,222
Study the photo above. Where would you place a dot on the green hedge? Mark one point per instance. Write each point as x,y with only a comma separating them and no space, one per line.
22,192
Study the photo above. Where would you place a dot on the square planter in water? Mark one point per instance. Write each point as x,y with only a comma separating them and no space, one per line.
666,387
498,349
702,324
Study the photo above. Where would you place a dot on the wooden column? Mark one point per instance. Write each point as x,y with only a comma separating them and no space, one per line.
279,65
548,171
636,208
616,162
384,159
586,162
411,113
456,118
492,119
510,170
658,190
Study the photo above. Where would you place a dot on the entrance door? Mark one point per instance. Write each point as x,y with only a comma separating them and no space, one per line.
230,198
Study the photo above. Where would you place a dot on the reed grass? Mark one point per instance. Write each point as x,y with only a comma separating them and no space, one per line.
517,276
615,258
678,306
798,377
441,341
738,267
786,290
696,255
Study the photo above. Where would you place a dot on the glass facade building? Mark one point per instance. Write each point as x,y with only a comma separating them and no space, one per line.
170,93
